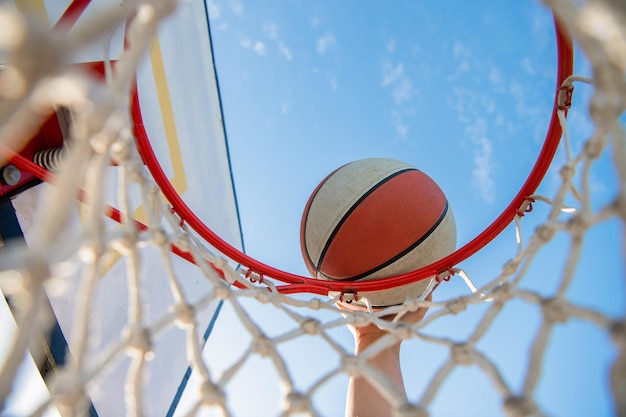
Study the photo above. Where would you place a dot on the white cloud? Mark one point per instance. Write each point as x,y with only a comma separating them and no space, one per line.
403,91
402,87
542,27
272,30
471,105
391,46
325,42
284,50
397,121
236,7
462,56
259,48
285,107
391,74
485,123
482,174
315,22
256,46
528,108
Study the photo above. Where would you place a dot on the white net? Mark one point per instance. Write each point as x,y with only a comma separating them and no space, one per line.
67,257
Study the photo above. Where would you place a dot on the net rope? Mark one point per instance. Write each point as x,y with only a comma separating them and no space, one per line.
102,135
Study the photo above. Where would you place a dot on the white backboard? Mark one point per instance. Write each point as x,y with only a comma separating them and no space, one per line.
181,111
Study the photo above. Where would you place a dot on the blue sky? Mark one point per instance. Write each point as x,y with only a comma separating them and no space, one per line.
461,90
464,92
308,88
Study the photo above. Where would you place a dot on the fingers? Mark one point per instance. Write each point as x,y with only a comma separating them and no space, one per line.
407,316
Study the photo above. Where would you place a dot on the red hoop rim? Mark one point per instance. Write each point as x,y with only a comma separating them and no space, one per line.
297,283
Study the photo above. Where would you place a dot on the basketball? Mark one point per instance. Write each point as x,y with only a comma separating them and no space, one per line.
376,218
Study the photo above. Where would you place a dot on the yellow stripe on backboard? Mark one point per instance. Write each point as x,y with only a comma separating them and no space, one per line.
179,180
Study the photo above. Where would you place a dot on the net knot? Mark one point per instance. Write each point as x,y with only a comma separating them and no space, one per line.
519,407
263,297
38,271
153,190
185,315
620,206
402,331
462,354
182,243
618,333
296,402
410,410
456,306
567,171
99,143
578,224
503,293
565,97
510,267
135,173
220,263
350,366
212,394
262,345
127,241
603,107
545,232
554,310
139,342
159,237
445,275
222,292
14,34
594,147
146,13
315,304
91,250
311,326
526,207
120,151
68,391
359,320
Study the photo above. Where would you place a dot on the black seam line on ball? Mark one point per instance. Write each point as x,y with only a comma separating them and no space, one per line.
351,209
395,258
306,219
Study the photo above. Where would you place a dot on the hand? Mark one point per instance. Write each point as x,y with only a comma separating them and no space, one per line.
368,334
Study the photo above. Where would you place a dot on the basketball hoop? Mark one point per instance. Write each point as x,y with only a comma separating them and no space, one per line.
296,283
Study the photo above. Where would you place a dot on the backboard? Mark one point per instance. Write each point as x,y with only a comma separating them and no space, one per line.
181,114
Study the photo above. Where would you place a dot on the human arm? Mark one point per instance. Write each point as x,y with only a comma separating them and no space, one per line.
364,400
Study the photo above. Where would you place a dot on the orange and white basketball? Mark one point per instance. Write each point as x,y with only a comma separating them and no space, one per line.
376,218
